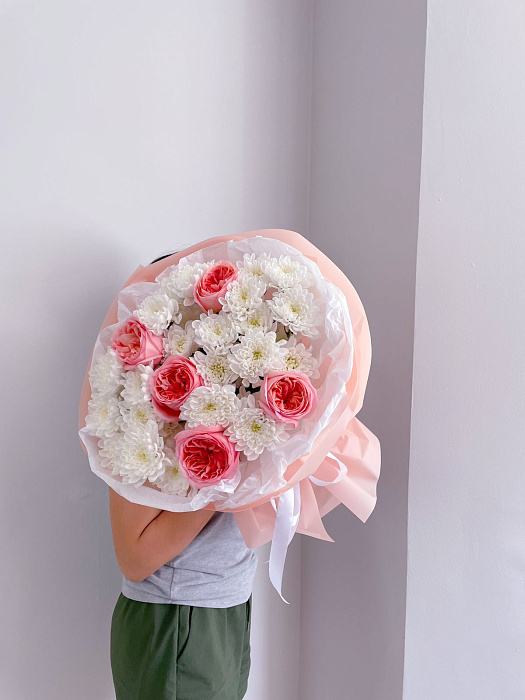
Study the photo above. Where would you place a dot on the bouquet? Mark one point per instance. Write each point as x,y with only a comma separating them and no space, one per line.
227,376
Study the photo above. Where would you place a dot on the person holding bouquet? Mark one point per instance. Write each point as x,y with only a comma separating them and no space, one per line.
219,405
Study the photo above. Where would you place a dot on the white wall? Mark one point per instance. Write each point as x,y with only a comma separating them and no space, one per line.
465,631
366,145
127,129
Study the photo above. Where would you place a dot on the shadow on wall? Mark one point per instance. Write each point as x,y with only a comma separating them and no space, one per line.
59,577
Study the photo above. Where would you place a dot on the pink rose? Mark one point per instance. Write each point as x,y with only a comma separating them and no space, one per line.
212,285
287,396
171,384
135,344
206,455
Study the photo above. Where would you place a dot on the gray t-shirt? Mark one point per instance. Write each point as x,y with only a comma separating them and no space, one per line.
216,570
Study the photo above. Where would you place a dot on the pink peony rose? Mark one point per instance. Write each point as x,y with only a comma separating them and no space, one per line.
206,455
171,384
135,344
212,285
287,396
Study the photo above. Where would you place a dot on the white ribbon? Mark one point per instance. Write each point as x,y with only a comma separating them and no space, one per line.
342,471
286,521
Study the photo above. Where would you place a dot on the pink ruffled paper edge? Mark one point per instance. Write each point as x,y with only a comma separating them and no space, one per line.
346,438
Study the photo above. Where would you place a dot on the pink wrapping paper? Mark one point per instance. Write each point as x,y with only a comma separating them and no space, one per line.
346,438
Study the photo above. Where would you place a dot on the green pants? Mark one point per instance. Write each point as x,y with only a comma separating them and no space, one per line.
167,651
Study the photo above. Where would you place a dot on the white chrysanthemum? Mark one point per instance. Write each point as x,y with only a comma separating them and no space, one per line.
254,265
157,311
109,448
299,359
252,431
136,384
103,416
173,480
214,368
243,296
136,413
210,405
296,309
215,332
256,354
140,454
179,283
284,273
106,374
258,319
180,341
